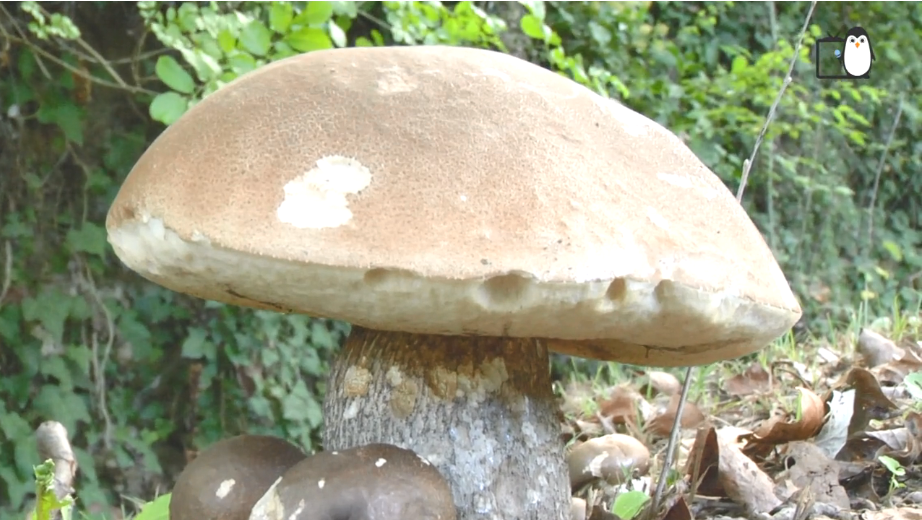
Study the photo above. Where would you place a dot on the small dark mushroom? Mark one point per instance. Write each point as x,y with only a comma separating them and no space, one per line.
372,482
228,477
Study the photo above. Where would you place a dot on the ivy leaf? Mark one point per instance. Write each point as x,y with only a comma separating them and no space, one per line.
90,238
197,345
67,116
256,38
309,39
168,107
173,75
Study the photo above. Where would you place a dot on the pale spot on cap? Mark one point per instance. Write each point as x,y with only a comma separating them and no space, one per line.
317,198
380,462
321,483
225,488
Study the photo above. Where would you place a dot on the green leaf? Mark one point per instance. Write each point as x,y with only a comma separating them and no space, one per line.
67,116
533,27
256,38
196,344
90,238
628,505
337,34
241,63
173,75
739,65
227,41
892,465
167,107
894,249
309,39
535,8
316,13
599,33
206,67
280,16
158,509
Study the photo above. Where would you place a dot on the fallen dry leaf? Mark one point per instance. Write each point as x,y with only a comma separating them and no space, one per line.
577,508
661,425
832,436
678,511
779,429
895,371
903,444
894,513
754,380
870,401
741,478
661,382
623,406
810,467
877,349
703,462
613,458
725,471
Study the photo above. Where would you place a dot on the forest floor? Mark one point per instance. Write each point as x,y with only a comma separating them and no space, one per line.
807,428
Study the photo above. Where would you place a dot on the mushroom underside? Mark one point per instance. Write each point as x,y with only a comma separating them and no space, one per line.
480,409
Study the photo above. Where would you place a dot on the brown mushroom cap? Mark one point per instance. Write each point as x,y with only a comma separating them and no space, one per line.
228,477
448,190
372,482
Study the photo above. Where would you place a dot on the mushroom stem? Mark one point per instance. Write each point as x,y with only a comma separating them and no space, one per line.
480,409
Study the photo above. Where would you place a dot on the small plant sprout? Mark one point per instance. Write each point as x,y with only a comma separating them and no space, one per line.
46,501
896,470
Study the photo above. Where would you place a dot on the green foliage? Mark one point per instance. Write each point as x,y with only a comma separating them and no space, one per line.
156,509
44,26
218,45
47,502
628,505
139,374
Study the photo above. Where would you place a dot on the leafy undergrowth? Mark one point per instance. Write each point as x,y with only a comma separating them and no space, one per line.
808,428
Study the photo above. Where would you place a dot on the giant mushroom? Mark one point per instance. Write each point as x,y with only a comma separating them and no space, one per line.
467,212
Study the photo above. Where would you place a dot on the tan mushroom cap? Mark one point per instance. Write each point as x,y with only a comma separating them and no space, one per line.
452,191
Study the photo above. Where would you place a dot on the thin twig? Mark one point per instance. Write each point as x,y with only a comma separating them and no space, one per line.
673,443
7,271
98,361
96,56
880,169
85,75
747,164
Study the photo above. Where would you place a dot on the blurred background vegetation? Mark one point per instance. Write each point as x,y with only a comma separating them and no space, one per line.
140,375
